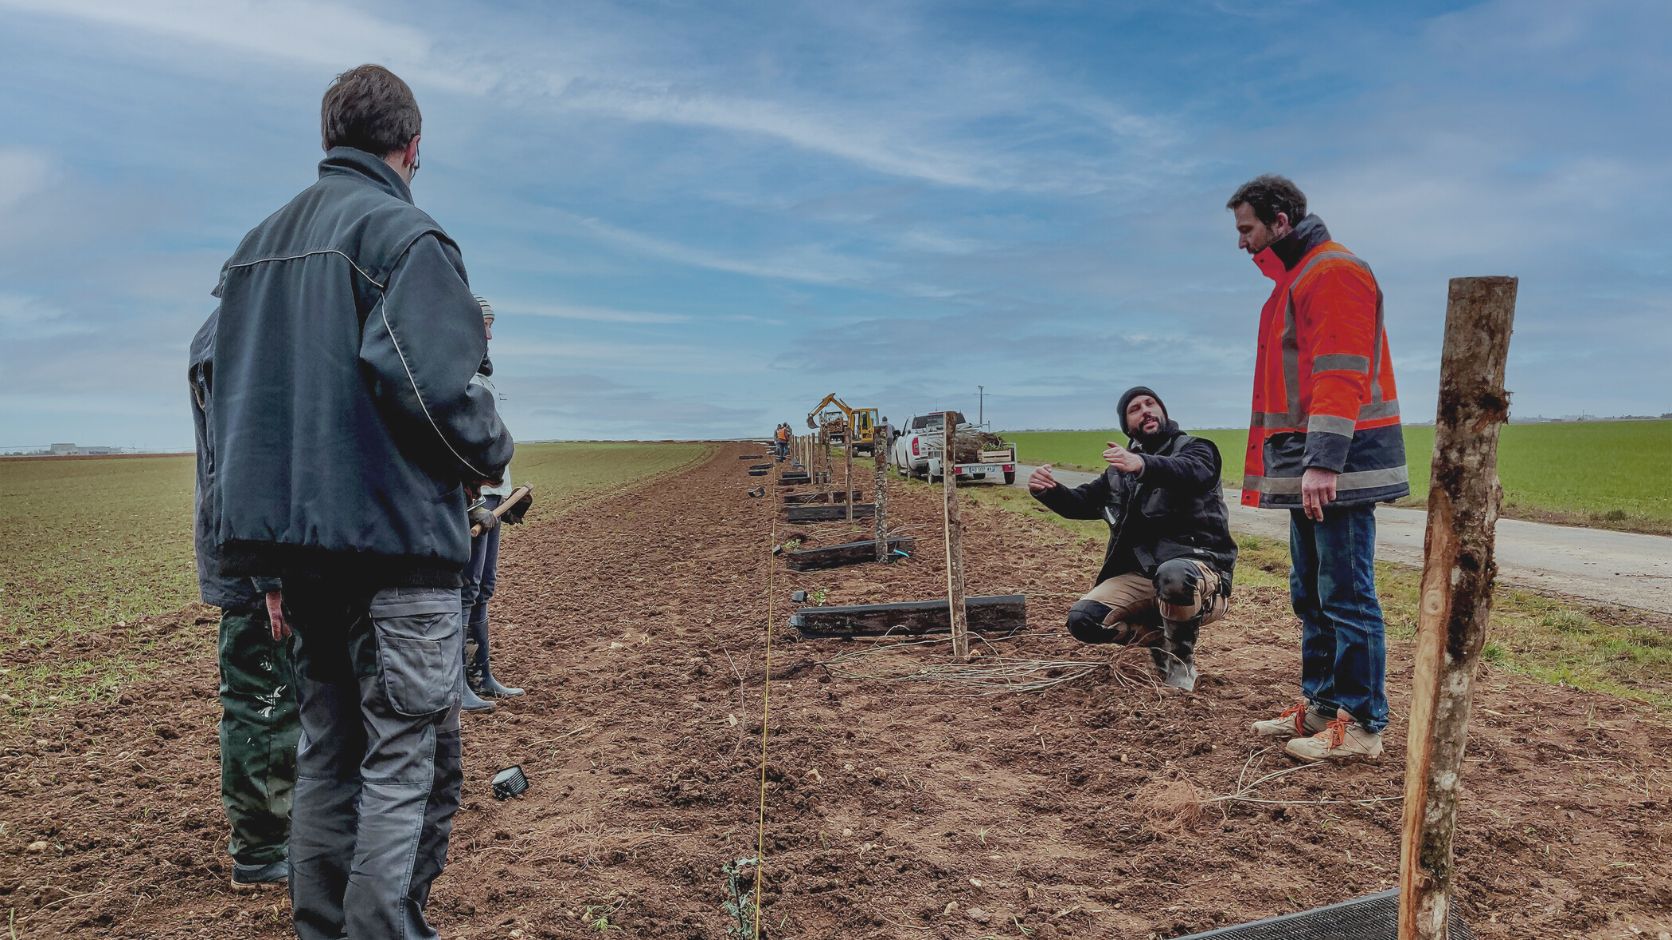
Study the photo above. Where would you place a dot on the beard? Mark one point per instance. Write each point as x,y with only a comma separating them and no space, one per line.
1149,430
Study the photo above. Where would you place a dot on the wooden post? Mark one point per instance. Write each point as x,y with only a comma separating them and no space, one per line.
1457,575
847,473
954,544
879,452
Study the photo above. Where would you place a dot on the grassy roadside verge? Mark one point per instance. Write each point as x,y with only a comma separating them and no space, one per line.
99,562
1602,474
1625,653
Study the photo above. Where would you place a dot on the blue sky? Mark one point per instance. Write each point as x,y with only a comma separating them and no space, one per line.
695,219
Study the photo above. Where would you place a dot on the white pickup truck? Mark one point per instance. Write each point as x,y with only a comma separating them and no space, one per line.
916,452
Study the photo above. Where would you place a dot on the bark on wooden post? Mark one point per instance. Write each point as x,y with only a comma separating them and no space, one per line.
1457,575
954,543
847,473
879,452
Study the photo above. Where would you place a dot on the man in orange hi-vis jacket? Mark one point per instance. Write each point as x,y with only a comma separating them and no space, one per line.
1325,443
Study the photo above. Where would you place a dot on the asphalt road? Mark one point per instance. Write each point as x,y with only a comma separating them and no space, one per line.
1622,568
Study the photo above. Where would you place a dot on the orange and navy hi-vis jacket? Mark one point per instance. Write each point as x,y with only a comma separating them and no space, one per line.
1323,381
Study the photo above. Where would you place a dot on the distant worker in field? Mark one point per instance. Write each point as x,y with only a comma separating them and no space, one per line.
1326,445
349,441
259,724
481,575
781,440
1167,570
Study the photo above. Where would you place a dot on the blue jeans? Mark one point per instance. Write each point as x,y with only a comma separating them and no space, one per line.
1332,585
481,576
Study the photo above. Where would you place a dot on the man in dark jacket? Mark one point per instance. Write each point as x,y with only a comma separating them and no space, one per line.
257,680
346,434
1170,552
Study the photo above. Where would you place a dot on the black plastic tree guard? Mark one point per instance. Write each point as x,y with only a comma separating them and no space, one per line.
1373,917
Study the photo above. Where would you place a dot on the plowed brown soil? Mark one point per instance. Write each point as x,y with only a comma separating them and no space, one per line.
894,808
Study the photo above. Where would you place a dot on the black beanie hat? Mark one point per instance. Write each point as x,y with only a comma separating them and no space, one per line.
1126,399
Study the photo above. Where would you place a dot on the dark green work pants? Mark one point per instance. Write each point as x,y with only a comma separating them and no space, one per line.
259,726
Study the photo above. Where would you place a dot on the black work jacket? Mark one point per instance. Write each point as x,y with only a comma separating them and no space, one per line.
1174,510
337,396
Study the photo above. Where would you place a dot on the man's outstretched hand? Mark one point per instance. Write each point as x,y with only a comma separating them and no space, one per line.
1122,459
1041,480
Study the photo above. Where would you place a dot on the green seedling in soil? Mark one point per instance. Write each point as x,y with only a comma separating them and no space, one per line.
740,902
597,916
818,596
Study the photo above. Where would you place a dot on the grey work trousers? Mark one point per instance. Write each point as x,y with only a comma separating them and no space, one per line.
377,766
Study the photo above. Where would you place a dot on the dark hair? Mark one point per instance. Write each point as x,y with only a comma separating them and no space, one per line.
369,108
1268,195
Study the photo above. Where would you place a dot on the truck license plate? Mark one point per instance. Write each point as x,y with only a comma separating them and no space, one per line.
990,468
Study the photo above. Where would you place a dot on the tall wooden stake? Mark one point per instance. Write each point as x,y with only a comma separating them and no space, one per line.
1457,575
954,544
880,440
847,474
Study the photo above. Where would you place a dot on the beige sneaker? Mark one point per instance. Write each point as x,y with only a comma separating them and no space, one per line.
1342,739
1297,721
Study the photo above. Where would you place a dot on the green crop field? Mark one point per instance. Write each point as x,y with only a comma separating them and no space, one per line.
97,544
1610,474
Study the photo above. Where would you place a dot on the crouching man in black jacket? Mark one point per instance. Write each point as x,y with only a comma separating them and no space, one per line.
1168,567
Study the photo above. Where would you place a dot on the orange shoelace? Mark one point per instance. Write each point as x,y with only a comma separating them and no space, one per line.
1298,712
1336,730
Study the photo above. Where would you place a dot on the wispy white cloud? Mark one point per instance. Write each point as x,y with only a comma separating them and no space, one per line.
516,307
663,358
812,264
318,35
23,172
911,132
26,317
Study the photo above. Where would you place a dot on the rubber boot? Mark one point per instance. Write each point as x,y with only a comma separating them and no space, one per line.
1175,658
478,674
469,701
487,685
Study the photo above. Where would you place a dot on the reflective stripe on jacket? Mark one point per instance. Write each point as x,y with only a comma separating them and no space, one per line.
1324,393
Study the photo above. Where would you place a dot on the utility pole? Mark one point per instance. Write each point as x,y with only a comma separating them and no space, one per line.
981,406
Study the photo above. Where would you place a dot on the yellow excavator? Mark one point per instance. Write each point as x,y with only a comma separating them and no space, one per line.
837,423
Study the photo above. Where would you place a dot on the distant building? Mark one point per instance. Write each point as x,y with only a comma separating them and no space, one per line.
71,450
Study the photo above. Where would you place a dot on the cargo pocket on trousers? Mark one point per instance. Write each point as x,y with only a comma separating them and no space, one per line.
419,658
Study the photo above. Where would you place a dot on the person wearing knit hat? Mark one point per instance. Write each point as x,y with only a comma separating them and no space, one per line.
1167,569
481,576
